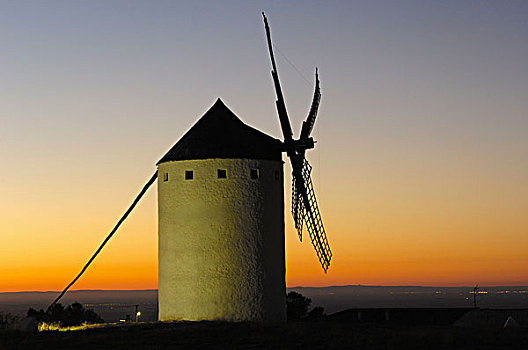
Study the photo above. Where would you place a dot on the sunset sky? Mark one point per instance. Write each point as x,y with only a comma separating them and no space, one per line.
421,165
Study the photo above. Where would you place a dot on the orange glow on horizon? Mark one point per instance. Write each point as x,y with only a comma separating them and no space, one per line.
374,242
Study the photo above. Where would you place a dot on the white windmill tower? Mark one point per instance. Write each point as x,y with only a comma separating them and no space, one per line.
221,216
221,223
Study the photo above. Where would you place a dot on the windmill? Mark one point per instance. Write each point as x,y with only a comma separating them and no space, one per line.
221,247
304,203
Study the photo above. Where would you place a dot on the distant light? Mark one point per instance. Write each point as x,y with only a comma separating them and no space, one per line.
138,313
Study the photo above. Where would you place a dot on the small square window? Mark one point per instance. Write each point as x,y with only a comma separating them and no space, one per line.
189,175
165,177
254,173
276,174
222,173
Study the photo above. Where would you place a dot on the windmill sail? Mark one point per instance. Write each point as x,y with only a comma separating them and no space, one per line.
308,125
305,210
281,106
312,217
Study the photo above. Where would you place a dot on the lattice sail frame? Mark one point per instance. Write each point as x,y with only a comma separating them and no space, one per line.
304,203
306,210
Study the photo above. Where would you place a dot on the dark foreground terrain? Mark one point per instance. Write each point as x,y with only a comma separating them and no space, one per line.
322,334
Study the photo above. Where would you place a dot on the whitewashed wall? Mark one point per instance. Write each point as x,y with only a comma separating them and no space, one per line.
221,241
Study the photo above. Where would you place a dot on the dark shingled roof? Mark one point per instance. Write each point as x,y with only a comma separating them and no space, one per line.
220,134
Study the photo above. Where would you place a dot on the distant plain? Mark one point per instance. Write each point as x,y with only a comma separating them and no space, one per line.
114,305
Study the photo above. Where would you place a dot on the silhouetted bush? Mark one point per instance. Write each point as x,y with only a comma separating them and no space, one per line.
315,313
296,306
73,315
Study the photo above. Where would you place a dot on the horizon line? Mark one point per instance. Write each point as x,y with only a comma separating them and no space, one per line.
312,287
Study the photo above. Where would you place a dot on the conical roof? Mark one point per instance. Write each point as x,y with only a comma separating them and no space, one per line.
221,134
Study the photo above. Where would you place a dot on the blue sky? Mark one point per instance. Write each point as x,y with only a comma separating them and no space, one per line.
423,119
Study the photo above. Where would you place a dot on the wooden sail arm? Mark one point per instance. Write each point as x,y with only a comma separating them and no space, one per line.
307,126
281,106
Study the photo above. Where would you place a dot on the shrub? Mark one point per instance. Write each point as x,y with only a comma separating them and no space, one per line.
296,306
316,312
73,315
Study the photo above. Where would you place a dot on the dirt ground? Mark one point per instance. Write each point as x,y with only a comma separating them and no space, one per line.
325,334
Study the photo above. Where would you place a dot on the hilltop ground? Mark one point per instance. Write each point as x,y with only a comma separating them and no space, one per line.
322,334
